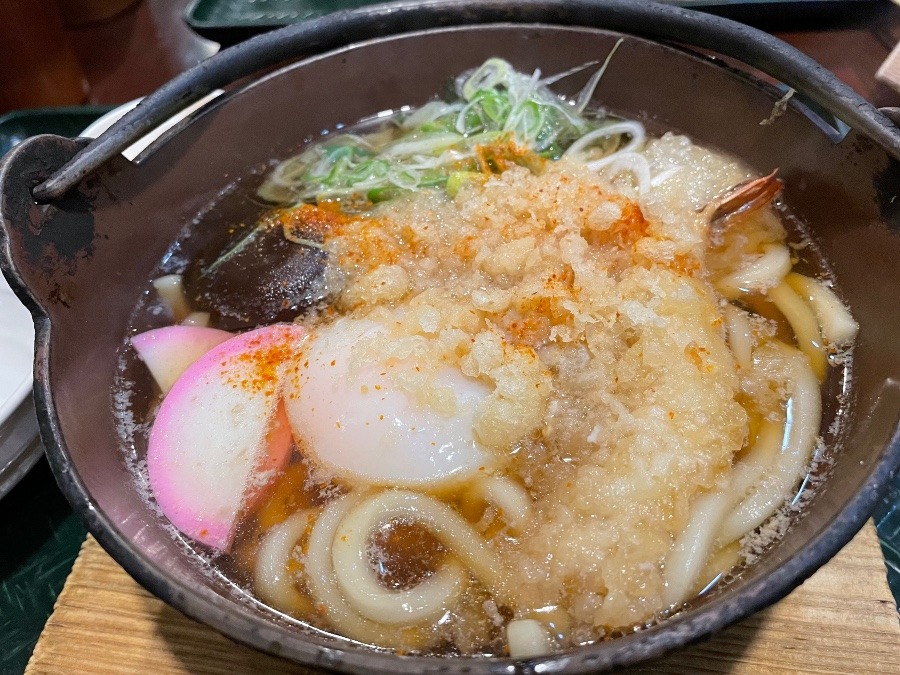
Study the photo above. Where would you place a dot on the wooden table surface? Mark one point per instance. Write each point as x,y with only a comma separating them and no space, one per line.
842,620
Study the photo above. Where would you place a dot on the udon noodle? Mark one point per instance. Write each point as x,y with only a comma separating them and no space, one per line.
563,369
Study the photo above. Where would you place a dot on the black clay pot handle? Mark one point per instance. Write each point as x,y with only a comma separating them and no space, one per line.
645,19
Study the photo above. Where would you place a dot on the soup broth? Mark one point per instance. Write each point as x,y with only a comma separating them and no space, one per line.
545,379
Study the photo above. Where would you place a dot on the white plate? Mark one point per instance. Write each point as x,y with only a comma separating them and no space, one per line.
16,351
19,445
102,124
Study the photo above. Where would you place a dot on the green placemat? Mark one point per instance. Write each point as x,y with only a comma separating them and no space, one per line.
40,538
887,519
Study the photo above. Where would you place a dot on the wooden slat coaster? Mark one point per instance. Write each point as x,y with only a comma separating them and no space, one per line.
841,620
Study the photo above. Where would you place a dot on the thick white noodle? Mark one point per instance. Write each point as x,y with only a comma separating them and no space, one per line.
361,586
527,638
761,457
631,162
271,578
451,529
633,129
804,324
700,539
760,274
838,326
508,496
693,546
740,336
171,291
803,418
323,586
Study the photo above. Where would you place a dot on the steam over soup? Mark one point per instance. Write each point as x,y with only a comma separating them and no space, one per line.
544,376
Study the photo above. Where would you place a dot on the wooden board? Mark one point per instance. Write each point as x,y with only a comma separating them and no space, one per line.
841,620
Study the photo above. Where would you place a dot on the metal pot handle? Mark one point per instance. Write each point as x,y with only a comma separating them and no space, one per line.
645,19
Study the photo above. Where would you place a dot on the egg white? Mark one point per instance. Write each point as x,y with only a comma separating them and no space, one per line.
356,421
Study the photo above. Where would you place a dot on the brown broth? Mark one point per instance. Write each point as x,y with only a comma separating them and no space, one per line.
403,553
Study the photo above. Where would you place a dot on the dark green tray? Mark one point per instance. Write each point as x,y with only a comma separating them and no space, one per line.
230,21
69,121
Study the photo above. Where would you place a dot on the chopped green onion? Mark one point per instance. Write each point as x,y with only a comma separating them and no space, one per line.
459,178
436,145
